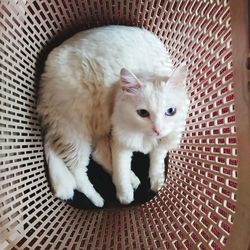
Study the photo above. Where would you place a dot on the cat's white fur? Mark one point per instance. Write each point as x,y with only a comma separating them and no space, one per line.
90,92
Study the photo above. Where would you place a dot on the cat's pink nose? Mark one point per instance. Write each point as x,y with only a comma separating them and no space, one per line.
156,130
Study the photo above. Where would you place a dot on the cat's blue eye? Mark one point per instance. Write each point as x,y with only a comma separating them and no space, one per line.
170,112
142,112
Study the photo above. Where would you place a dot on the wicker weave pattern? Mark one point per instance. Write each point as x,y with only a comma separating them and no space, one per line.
196,206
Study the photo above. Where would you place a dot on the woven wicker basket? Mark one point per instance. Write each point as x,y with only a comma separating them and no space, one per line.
205,201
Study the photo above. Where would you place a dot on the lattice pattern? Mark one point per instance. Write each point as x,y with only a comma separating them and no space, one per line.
196,206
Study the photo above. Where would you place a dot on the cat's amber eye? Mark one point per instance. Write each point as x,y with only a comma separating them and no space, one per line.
143,113
170,112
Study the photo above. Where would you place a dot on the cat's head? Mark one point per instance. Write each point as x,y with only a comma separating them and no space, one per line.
151,105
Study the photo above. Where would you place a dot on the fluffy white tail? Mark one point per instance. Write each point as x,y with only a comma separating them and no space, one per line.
62,181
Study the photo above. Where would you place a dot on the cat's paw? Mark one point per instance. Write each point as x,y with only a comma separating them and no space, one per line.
135,181
64,191
126,196
91,194
98,201
156,182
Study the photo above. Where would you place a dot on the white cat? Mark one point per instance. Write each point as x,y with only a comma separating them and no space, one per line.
110,89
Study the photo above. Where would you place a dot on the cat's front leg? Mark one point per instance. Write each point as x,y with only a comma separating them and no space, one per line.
121,158
102,155
157,168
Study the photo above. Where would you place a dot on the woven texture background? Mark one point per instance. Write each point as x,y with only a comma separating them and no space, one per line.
195,209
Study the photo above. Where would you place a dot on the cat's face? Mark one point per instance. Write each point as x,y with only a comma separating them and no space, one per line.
154,107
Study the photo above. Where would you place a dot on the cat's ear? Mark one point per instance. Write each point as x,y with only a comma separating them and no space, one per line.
179,75
129,82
